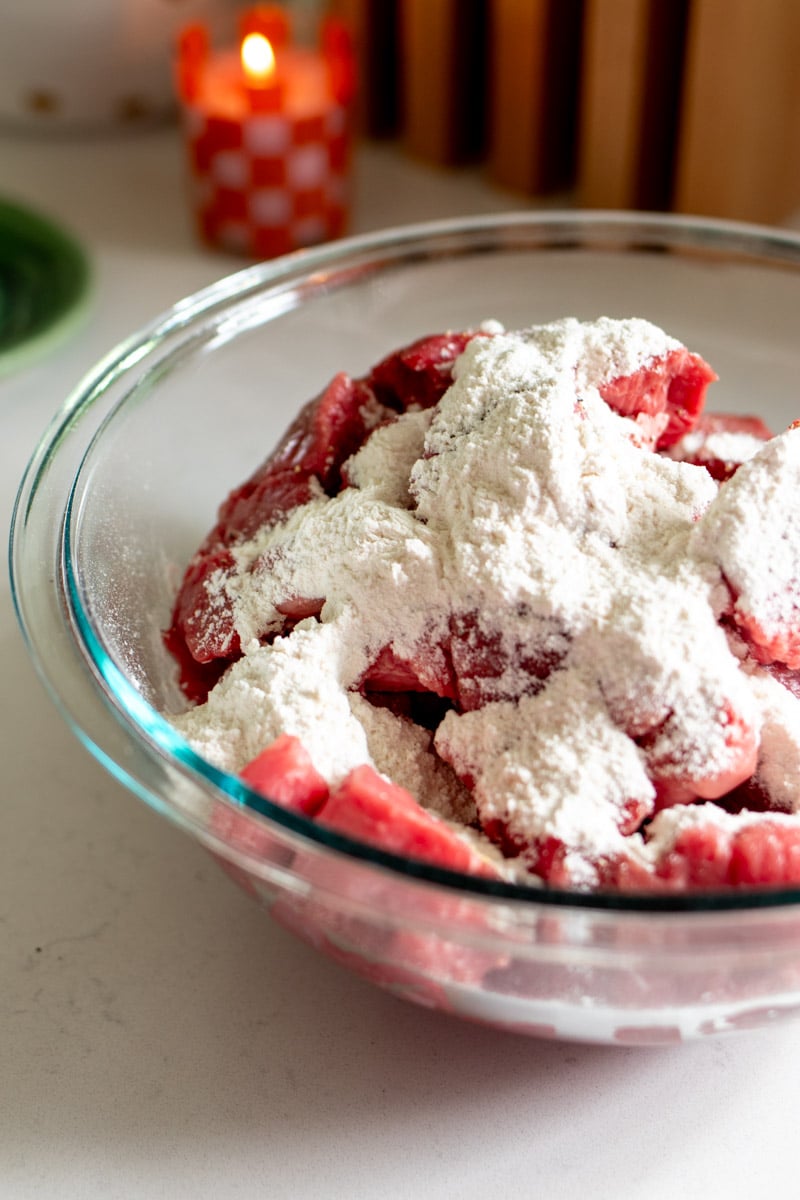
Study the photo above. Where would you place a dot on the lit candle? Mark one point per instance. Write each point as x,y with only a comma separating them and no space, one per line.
268,134
258,63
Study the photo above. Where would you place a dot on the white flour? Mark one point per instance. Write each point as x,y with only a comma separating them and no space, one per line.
733,446
522,516
752,532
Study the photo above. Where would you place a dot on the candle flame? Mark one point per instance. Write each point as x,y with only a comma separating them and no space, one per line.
258,58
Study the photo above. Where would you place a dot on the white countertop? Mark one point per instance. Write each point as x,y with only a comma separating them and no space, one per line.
160,1037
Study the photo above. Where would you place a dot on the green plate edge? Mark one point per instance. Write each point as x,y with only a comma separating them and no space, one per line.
45,283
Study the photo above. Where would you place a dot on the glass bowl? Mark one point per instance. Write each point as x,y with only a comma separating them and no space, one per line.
126,482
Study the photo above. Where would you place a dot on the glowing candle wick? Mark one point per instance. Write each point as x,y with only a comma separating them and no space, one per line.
258,58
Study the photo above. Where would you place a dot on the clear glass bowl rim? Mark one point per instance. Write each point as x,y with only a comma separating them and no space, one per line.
320,269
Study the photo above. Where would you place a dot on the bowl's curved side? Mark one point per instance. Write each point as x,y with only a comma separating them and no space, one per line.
88,592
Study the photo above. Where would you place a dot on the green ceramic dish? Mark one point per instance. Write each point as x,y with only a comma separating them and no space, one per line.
44,285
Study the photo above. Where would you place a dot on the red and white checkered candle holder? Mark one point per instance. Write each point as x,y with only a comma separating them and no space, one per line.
268,134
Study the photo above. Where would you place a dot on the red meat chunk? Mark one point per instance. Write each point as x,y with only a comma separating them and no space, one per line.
789,678
770,643
765,853
759,557
676,785
370,809
762,852
259,504
675,385
708,426
284,773
197,679
420,374
324,434
428,670
486,670
202,620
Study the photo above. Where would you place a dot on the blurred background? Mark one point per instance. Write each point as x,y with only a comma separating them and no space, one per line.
684,105
688,105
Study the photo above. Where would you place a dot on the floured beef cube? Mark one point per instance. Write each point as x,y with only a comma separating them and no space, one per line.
750,532
308,461
721,443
